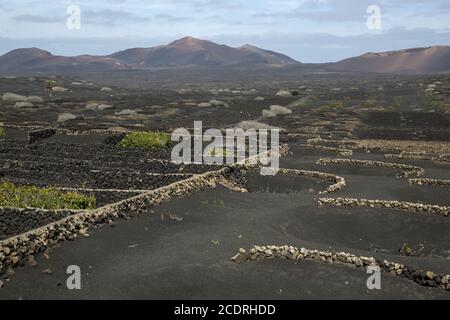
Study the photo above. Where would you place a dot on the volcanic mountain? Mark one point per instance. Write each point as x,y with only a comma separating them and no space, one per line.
194,52
181,53
418,60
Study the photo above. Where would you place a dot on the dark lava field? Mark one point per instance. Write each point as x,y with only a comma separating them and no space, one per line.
180,246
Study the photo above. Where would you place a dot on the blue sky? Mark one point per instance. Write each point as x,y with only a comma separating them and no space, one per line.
307,30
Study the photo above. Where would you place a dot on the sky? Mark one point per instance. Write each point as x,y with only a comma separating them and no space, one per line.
307,30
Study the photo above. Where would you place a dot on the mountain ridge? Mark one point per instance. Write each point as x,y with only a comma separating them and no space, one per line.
184,52
192,52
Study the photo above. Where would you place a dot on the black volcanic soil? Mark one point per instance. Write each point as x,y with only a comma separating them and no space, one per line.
182,249
97,166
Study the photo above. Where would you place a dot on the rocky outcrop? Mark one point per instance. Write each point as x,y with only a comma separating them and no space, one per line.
425,278
398,205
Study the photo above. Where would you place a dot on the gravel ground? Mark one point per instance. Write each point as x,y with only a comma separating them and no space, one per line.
182,249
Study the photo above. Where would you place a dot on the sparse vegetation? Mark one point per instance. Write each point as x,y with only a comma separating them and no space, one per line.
147,140
218,152
391,109
2,132
434,100
395,106
369,103
48,198
48,85
337,106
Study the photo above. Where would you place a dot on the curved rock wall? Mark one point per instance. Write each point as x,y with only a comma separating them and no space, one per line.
406,170
339,182
338,151
399,205
426,278
430,182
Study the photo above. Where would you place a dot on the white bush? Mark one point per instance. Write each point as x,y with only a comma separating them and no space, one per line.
126,112
35,99
12,97
277,110
268,114
284,93
59,89
102,107
216,103
23,105
66,116
92,105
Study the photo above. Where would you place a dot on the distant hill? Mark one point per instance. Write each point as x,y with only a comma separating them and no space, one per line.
185,52
37,60
418,60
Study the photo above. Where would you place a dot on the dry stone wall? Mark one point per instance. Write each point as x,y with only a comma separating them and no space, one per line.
399,205
338,151
405,170
418,157
339,182
425,278
430,182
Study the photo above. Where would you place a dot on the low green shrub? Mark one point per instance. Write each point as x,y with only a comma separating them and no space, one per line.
391,109
369,103
221,152
324,108
49,84
43,198
147,140
2,132
332,106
